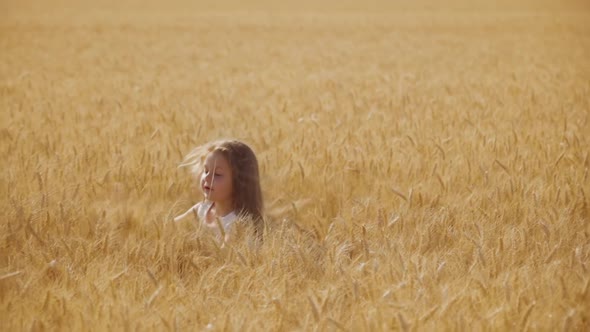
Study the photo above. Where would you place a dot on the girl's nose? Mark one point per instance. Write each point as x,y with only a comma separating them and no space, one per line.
207,178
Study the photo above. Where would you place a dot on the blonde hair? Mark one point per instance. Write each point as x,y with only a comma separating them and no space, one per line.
247,193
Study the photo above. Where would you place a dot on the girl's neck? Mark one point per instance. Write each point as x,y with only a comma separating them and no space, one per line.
222,209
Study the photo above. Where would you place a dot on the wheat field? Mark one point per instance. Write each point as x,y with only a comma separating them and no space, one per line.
424,167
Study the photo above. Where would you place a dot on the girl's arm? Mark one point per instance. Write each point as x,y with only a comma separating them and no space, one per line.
192,210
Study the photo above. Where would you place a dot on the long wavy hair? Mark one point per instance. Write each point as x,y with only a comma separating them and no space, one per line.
247,193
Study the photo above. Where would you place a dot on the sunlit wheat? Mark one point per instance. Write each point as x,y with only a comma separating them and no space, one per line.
424,165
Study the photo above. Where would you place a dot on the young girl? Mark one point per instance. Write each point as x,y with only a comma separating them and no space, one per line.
230,182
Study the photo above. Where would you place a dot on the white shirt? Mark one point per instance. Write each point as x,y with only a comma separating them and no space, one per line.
226,221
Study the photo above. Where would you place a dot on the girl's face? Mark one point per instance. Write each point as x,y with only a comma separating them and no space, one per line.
216,179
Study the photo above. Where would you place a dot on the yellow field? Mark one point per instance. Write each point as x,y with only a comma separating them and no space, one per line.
424,167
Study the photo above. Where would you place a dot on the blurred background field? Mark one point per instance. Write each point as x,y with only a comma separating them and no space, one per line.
424,166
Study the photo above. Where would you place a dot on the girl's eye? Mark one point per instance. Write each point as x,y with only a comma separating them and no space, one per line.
217,174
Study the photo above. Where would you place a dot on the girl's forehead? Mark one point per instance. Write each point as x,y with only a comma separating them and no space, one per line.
216,158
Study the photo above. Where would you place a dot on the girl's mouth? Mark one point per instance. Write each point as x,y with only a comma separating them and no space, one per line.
207,188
